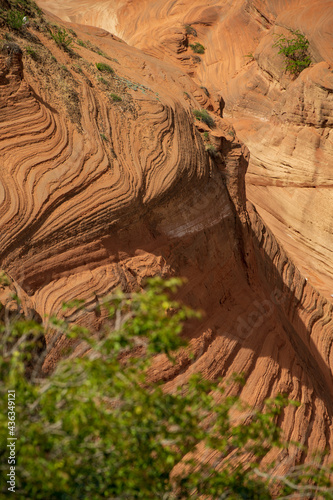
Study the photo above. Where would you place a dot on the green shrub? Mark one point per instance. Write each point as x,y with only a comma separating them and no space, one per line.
105,68
296,51
250,56
231,131
15,19
206,91
211,150
206,136
32,53
62,38
203,116
81,43
103,137
116,97
190,30
196,59
198,48
102,80
98,428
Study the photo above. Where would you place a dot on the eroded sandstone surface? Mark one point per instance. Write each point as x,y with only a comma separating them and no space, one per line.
97,193
285,122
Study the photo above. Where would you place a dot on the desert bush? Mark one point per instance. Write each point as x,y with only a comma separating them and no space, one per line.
211,150
97,428
62,38
296,51
204,116
104,68
15,19
250,56
231,132
196,59
102,80
115,97
198,48
189,30
81,43
32,53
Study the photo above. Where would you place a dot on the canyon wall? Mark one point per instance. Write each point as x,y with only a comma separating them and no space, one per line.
98,192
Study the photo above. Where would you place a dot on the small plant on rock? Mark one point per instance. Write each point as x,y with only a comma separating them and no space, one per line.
198,48
190,30
203,116
296,51
62,38
211,150
104,68
231,131
115,97
15,19
32,53
250,56
81,43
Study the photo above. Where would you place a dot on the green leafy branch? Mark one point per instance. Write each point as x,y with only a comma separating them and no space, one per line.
295,50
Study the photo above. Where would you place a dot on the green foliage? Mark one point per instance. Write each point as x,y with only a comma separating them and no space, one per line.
102,80
104,68
189,30
62,38
101,53
72,32
296,51
103,137
211,150
198,48
96,428
115,97
250,56
206,91
32,53
206,135
204,116
15,19
81,43
25,7
231,131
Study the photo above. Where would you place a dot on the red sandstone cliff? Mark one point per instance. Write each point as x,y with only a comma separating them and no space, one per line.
97,193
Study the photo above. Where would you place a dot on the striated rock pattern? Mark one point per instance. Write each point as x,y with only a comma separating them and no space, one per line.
97,192
285,122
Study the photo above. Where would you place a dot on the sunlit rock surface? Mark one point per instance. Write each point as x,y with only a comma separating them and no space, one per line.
97,193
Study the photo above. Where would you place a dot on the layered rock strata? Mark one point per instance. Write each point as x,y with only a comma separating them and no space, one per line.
98,192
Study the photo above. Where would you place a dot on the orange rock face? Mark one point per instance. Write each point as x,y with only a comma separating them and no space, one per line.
285,122
97,193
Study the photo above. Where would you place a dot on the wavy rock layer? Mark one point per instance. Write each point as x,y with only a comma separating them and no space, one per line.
285,122
97,193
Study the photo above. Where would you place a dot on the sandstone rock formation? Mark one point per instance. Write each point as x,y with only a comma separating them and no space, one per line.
285,123
97,192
